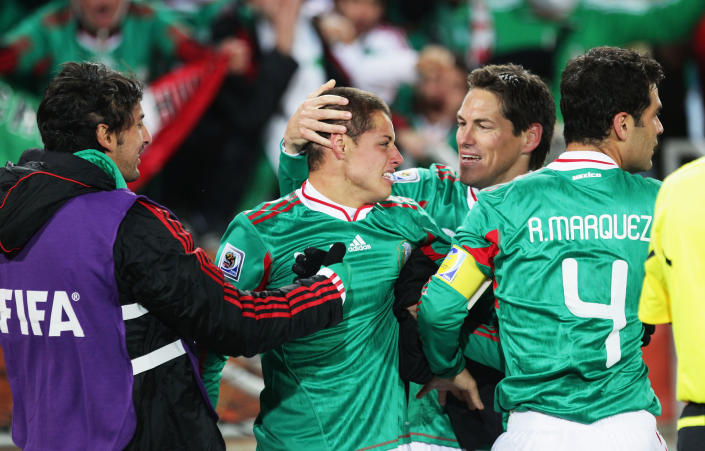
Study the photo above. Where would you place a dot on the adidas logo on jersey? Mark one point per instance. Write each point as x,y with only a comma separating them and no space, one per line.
358,244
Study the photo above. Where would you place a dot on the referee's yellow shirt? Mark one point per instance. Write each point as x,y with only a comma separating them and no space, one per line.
674,285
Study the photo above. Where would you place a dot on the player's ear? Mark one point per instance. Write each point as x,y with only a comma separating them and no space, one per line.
620,125
338,145
532,137
106,138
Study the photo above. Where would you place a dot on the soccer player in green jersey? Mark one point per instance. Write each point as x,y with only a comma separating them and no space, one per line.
565,247
505,126
338,390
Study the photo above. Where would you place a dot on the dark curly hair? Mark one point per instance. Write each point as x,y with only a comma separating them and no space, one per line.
601,83
525,99
362,104
79,98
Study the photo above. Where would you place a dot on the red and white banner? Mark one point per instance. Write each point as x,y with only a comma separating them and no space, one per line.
172,105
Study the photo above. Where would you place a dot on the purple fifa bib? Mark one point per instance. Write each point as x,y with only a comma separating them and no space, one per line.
62,331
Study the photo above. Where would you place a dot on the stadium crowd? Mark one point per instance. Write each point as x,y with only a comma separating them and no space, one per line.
240,109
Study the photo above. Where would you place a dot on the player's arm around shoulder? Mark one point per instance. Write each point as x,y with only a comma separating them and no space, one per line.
444,302
293,170
443,308
423,184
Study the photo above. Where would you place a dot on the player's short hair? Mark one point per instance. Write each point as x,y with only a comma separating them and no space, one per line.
79,98
602,83
362,105
524,98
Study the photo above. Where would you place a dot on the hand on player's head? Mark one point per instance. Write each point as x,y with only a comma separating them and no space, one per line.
307,122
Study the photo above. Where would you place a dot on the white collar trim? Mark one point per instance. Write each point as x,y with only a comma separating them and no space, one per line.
313,199
472,196
582,159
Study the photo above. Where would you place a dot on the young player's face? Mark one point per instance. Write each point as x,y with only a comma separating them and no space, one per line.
370,162
130,144
489,151
644,138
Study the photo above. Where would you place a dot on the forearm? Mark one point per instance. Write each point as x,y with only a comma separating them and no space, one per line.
443,308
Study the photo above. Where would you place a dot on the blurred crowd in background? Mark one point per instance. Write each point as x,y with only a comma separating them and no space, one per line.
223,76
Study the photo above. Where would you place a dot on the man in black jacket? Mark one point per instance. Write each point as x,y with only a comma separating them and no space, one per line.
102,292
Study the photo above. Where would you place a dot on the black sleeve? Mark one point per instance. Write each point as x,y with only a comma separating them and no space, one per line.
413,365
157,266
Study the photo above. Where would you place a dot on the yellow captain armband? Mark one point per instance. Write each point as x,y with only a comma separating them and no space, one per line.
460,271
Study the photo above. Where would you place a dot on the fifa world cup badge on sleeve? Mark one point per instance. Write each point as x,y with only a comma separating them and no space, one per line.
406,176
231,261
451,265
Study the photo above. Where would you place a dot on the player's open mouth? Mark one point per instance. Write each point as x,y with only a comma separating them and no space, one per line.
388,176
470,157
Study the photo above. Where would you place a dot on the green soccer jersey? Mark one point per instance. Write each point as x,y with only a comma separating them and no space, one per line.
338,388
566,247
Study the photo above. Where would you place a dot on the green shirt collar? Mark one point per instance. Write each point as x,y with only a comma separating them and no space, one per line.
105,163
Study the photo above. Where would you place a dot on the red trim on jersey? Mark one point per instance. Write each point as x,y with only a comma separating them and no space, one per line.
40,172
406,436
488,329
485,255
253,214
434,437
494,287
428,251
318,293
487,332
486,335
423,203
582,160
397,204
274,210
318,301
269,206
22,179
267,272
383,443
329,205
182,236
472,194
444,172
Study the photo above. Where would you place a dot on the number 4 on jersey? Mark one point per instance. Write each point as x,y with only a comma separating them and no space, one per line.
613,311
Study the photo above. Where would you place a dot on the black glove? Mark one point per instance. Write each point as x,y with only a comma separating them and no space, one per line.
308,263
649,330
412,277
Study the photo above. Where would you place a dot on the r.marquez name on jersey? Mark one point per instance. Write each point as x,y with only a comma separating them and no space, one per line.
603,227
